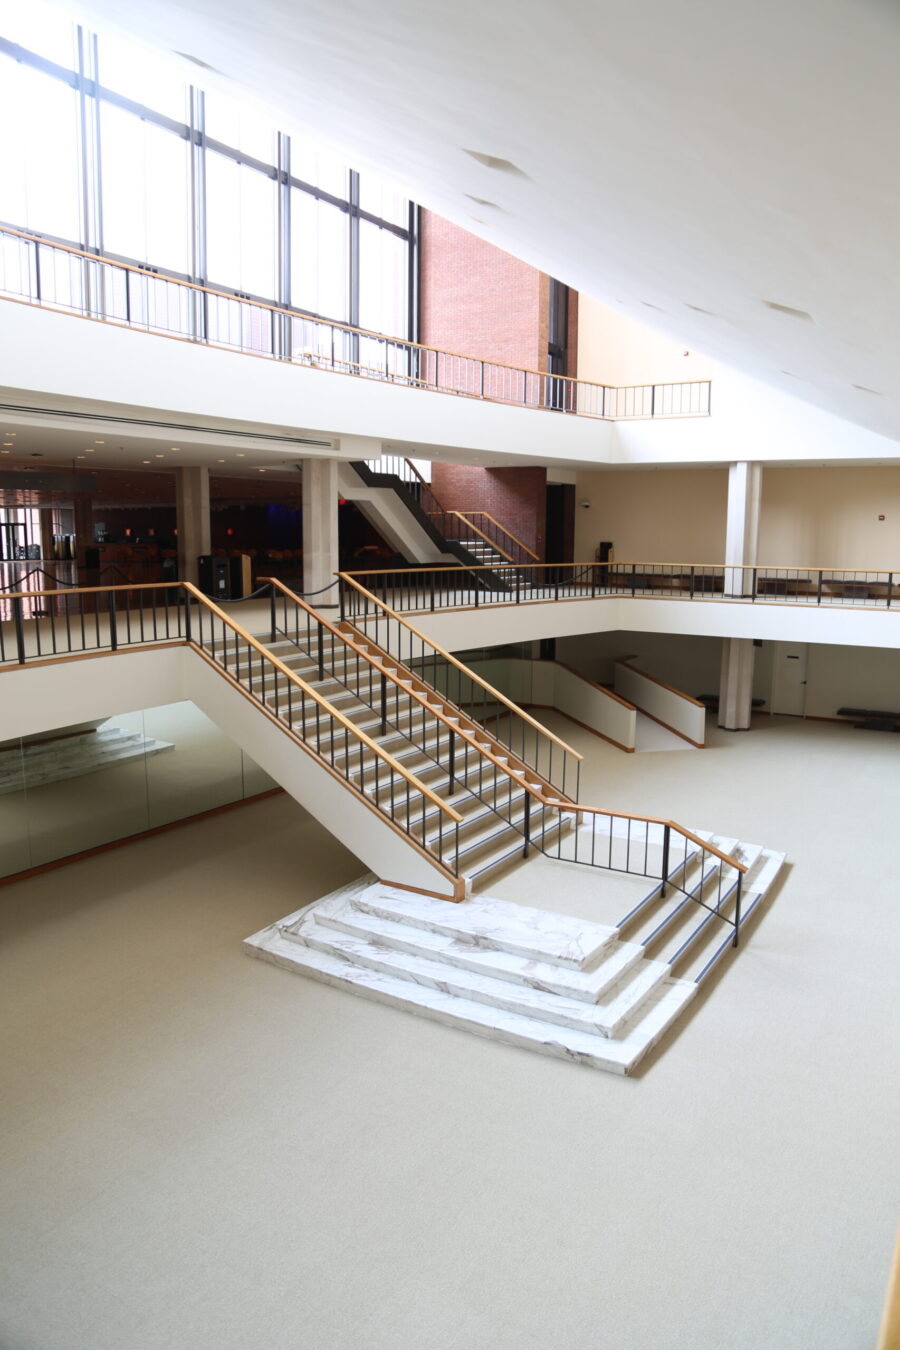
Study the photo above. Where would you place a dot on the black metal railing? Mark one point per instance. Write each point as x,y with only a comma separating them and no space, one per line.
682,863
536,747
477,530
524,776
109,619
423,589
59,277
461,754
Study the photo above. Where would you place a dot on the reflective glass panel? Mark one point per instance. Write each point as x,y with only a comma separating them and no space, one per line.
382,280
320,257
146,188
39,185
241,208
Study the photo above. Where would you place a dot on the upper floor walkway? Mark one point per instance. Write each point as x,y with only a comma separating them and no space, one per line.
331,389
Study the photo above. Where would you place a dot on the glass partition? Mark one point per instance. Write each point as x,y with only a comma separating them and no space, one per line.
83,786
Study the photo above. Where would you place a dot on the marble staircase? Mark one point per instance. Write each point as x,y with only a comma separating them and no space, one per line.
564,986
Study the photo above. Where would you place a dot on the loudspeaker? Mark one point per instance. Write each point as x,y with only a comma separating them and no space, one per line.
212,577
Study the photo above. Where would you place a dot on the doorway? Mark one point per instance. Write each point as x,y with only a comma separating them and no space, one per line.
789,665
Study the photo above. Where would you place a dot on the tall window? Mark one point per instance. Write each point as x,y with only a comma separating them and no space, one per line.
104,147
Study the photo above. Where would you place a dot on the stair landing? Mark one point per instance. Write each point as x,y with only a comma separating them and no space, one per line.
526,977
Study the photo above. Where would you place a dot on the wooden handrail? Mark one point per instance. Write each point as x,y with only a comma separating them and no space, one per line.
343,327
618,563
494,693
487,539
421,697
425,483
889,1332
333,712
515,538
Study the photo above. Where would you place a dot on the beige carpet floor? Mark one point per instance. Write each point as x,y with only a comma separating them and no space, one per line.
203,1152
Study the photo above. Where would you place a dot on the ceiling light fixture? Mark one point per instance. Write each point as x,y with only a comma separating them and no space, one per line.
159,456
99,442
789,310
495,162
240,455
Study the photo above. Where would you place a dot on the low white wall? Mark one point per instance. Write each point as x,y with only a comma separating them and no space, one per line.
673,709
548,684
487,626
43,698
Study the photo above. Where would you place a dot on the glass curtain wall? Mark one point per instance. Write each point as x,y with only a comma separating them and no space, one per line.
105,149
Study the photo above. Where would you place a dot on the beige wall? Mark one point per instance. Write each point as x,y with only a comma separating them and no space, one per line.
828,517
613,349
656,515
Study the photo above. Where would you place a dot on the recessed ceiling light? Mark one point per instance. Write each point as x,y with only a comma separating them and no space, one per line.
146,461
173,447
220,461
4,452
495,162
89,450
79,456
788,309
240,455
99,442
7,443
260,470
159,456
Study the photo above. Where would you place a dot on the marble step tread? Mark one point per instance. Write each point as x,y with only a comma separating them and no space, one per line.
585,986
620,1055
496,924
761,876
598,1019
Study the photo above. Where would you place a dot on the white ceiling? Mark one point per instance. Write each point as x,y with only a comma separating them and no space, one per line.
690,163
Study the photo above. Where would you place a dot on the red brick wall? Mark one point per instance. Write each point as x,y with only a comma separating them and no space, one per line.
478,300
515,497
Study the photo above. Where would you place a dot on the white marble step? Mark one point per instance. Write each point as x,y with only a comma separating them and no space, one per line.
586,986
496,924
598,1019
619,1055
53,761
761,876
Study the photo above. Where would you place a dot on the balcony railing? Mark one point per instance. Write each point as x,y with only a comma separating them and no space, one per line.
56,276
432,588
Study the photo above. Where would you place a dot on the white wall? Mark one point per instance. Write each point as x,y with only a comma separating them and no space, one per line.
66,359
613,349
549,684
669,706
675,515
829,517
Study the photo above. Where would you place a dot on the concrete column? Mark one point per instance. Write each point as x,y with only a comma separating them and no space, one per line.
320,531
83,528
742,524
736,684
46,519
192,519
741,542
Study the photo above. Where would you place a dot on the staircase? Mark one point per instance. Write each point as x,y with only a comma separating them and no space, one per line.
580,990
492,809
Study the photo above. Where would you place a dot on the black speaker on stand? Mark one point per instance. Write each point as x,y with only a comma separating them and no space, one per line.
213,577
